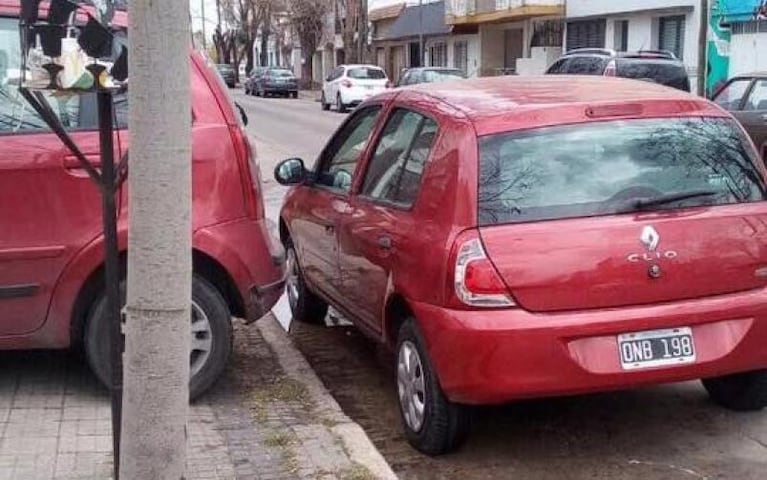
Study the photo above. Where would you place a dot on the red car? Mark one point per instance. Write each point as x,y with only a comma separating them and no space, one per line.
529,237
51,246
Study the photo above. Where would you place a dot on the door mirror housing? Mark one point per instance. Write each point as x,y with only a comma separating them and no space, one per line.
290,172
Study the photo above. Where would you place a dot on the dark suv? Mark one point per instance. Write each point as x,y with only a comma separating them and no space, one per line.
658,66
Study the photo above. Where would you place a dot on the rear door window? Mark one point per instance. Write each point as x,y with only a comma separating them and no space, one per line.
587,65
605,168
366,73
666,73
395,169
731,97
757,99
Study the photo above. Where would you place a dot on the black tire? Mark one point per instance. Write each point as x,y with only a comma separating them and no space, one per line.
340,104
294,94
258,91
742,392
304,304
209,300
325,105
445,424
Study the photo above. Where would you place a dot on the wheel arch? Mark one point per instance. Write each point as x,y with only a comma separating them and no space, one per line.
396,312
202,264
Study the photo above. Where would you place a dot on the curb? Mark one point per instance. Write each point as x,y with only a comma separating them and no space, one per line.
357,444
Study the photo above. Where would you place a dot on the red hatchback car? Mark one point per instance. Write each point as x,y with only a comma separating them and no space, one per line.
51,245
528,237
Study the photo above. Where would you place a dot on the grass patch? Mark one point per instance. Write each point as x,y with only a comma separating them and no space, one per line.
356,472
278,440
282,390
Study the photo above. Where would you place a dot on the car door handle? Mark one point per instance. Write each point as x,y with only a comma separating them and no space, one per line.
385,242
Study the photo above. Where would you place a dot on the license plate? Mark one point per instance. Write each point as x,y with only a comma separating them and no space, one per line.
655,348
369,87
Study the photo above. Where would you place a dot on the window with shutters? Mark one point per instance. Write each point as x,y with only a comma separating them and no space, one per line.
461,56
586,34
671,34
438,55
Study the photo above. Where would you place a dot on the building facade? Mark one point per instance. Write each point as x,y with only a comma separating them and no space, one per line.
631,25
514,36
737,40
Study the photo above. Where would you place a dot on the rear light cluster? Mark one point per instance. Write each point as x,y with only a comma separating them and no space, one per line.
251,177
476,282
347,84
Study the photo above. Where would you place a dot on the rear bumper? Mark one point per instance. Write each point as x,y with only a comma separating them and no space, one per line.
354,96
253,257
501,355
280,88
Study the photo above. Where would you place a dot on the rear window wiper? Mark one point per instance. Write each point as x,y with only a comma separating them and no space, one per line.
643,203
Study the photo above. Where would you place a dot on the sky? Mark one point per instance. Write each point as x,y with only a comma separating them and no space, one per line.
196,7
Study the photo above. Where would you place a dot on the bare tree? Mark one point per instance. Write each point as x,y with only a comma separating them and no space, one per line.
308,19
349,13
157,341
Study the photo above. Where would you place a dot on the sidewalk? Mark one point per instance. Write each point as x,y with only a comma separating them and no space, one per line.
268,418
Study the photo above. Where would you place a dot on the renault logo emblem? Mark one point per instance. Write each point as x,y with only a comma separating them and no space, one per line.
650,238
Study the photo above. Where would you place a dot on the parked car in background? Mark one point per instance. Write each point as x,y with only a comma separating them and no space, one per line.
349,85
227,73
52,245
566,249
250,82
745,96
656,66
413,76
275,81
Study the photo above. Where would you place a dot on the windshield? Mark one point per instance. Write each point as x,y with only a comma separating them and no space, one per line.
664,72
225,68
364,73
605,168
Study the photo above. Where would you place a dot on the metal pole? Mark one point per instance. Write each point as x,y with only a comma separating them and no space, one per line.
204,35
703,48
112,264
420,34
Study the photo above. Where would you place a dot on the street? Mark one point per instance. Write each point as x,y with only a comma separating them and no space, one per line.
665,432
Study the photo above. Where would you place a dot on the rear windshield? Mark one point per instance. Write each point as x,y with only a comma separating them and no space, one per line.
431,76
225,68
670,74
281,73
605,168
363,73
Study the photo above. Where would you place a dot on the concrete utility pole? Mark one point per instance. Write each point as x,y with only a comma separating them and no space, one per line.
703,48
157,328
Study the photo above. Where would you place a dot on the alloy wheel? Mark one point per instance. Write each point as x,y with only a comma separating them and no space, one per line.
292,282
411,385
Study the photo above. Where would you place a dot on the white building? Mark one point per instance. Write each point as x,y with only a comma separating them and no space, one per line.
630,25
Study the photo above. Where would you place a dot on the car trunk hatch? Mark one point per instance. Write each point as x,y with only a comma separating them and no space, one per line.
608,262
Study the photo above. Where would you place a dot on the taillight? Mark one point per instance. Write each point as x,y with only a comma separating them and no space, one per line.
476,282
610,70
347,84
250,174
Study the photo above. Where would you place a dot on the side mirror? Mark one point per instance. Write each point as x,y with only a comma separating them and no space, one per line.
243,115
290,171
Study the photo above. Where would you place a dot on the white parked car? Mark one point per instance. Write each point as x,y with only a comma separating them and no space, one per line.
349,85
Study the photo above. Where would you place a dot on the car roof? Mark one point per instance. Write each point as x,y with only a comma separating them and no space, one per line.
515,102
360,65
752,75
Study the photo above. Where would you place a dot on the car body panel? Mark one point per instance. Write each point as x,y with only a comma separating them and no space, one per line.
577,289
62,251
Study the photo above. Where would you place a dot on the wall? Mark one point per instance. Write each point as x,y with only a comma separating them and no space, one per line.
748,53
472,46
585,8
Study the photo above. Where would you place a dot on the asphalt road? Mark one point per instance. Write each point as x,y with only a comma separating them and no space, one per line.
665,432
